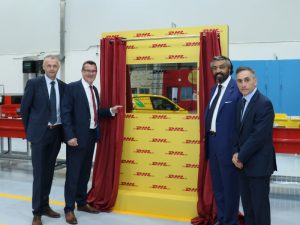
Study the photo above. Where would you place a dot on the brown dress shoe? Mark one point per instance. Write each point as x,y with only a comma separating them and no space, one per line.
87,208
50,213
37,220
71,218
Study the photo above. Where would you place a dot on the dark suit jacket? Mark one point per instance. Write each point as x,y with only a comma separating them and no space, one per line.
75,113
225,122
35,107
253,137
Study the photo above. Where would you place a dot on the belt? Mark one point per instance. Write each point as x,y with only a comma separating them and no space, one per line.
54,126
212,133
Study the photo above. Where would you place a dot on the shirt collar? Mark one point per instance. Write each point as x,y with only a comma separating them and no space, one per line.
48,80
250,95
225,83
85,84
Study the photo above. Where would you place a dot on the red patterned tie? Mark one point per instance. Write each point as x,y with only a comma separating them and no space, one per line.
94,106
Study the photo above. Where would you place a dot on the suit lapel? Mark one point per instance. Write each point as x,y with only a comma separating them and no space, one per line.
45,89
229,90
249,108
85,98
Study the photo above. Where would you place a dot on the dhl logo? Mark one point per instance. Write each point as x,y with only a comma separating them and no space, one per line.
177,177
176,153
193,142
143,174
128,184
189,117
129,139
212,29
159,45
143,151
175,129
159,140
192,43
159,117
176,57
113,36
188,189
143,58
131,47
176,32
160,187
130,116
159,164
143,128
191,165
148,34
128,161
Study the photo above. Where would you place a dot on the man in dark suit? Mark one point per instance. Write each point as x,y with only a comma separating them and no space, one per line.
253,151
40,110
80,118
219,128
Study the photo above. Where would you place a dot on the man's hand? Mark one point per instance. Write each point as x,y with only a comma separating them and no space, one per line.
73,142
236,161
116,108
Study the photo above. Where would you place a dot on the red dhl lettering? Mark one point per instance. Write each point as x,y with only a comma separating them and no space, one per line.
212,29
190,189
144,151
143,174
159,164
161,45
195,142
129,139
192,117
176,57
190,165
160,117
130,184
175,129
112,36
147,57
130,116
130,47
174,176
176,32
128,161
143,35
143,128
175,153
159,140
158,186
195,43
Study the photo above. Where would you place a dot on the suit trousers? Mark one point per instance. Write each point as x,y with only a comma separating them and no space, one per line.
79,163
43,157
255,199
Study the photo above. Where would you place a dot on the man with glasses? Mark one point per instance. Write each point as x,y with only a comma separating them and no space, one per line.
219,128
80,118
40,110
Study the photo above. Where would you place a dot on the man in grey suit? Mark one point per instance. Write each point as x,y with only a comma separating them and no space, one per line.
253,151
40,110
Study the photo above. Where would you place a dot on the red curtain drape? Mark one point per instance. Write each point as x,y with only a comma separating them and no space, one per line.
206,207
106,171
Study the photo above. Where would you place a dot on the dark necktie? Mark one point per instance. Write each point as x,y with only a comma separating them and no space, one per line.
243,107
53,114
94,106
212,108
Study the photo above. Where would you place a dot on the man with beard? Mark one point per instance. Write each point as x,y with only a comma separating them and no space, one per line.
220,120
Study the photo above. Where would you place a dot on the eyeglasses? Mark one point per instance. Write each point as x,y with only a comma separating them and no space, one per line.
90,71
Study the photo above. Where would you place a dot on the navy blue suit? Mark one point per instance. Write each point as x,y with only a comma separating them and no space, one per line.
45,142
76,122
254,144
219,152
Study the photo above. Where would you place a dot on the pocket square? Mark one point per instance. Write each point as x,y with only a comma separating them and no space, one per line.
227,102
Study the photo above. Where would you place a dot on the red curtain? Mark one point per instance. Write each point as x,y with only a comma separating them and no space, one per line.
206,207
106,171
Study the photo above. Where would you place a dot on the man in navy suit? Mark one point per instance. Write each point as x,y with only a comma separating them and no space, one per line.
219,129
43,129
253,151
80,118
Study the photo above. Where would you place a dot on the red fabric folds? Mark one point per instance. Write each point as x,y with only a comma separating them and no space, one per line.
106,171
206,206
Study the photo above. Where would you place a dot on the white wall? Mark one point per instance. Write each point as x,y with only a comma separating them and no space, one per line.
258,29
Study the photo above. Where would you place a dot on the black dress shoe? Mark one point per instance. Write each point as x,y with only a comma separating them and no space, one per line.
50,213
37,220
87,208
70,218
